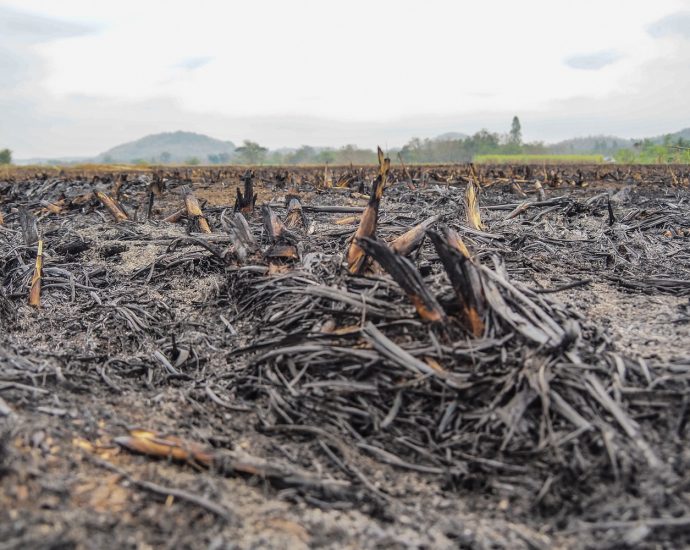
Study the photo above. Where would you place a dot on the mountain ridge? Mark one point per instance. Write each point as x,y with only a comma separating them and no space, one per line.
183,146
178,146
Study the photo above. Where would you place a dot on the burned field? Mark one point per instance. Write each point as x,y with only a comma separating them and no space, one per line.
500,357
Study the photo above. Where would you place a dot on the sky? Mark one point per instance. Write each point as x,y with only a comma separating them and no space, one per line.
78,77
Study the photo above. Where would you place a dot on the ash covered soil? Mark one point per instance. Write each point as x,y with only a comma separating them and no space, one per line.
299,405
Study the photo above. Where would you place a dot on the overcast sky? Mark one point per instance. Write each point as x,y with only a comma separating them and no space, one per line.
78,76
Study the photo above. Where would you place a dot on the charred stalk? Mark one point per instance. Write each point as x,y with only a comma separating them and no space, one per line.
407,276
367,226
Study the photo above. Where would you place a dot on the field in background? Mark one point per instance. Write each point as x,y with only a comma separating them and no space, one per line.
9,170
539,159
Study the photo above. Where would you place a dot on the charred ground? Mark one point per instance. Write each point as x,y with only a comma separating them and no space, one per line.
326,412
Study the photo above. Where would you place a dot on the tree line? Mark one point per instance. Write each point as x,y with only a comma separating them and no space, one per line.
252,153
647,151
415,151
449,150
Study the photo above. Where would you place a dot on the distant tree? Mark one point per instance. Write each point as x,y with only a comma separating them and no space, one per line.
165,157
413,150
192,161
483,142
251,152
515,132
303,155
650,151
275,157
219,158
326,156
535,148
355,155
5,156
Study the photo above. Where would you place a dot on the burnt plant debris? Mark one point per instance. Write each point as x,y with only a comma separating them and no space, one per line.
516,355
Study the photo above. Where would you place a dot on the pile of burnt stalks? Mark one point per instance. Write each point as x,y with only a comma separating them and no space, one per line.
415,350
443,364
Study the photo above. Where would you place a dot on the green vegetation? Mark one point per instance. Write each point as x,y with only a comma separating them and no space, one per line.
220,158
349,154
466,149
515,136
449,148
599,145
669,151
538,159
251,152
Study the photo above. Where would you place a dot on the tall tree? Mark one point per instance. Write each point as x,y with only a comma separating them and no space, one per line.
251,152
5,156
516,131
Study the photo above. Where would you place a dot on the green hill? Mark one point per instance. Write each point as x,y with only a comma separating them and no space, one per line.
605,145
684,134
175,147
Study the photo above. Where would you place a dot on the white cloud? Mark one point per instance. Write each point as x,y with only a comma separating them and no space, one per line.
593,61
392,66
674,24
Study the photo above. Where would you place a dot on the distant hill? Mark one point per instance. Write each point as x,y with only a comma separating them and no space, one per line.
685,134
175,147
590,144
607,145
181,147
